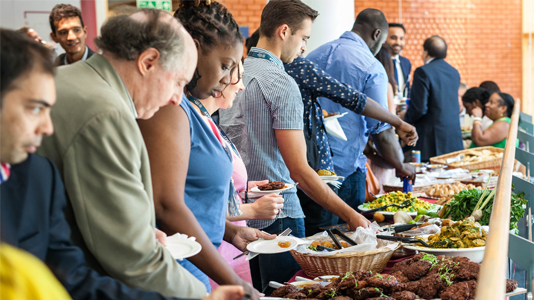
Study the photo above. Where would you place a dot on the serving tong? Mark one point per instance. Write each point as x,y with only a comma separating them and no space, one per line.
332,233
402,239
402,205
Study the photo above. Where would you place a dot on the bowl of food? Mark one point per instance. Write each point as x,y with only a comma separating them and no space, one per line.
435,168
462,238
419,167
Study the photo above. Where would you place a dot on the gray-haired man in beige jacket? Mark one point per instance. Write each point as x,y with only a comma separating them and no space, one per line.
147,59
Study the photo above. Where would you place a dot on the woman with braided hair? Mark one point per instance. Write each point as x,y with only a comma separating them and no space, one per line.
191,160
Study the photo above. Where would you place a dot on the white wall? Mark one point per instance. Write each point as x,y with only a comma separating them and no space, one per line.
34,13
335,17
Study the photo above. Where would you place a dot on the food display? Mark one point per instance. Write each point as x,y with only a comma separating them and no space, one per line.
424,276
398,198
466,202
473,156
327,114
327,244
323,172
462,234
273,185
447,189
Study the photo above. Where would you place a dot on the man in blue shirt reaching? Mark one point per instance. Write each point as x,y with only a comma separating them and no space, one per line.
350,59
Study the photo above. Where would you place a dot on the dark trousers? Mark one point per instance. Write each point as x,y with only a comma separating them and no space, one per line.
276,267
316,215
352,191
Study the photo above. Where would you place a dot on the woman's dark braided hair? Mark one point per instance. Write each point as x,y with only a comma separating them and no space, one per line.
210,23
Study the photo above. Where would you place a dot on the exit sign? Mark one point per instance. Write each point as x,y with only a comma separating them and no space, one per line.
156,4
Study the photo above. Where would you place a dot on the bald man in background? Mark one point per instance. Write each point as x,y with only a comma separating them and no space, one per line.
434,106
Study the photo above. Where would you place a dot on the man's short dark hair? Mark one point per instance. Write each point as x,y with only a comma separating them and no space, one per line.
371,19
18,56
279,12
63,11
126,38
436,47
397,25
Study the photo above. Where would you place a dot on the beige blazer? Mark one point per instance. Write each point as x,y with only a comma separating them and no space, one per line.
102,158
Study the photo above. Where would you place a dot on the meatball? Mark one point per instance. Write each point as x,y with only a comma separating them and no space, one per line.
472,284
309,289
404,295
316,292
417,270
400,277
286,289
365,293
327,294
296,295
381,298
466,271
429,286
384,282
511,285
361,275
412,286
457,291
342,298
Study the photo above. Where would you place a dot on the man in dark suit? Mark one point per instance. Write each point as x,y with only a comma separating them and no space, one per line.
68,30
32,193
434,107
402,65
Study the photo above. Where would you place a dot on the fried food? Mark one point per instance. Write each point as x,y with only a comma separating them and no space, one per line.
457,291
383,282
273,185
404,295
511,285
297,295
327,114
323,172
286,289
417,270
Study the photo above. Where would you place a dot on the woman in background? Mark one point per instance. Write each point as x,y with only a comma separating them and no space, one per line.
499,109
384,56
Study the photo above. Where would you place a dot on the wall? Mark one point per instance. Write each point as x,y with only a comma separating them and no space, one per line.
484,36
528,57
34,13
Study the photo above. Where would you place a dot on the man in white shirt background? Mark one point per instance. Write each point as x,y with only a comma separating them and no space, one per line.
402,65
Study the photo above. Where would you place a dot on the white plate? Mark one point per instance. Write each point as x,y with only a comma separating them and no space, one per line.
475,254
389,213
335,117
333,177
271,246
258,191
183,248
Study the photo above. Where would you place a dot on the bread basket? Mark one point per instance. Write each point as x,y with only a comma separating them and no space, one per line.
493,163
373,260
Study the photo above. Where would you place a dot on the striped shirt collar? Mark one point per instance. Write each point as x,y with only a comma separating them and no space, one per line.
276,60
5,171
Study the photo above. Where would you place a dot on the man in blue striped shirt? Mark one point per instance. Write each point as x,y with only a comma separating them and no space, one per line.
266,125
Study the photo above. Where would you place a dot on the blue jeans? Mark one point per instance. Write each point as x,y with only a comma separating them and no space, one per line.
276,267
196,272
316,215
352,191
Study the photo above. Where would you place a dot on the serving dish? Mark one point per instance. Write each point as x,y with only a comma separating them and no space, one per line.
475,254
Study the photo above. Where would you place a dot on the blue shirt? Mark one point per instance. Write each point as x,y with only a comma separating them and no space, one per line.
271,101
349,60
313,81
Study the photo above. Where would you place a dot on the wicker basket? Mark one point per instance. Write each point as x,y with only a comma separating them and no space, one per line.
373,260
491,164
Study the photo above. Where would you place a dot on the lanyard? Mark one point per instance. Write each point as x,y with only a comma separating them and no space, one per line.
207,114
263,56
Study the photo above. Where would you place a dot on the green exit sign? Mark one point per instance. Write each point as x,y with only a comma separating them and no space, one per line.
156,4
